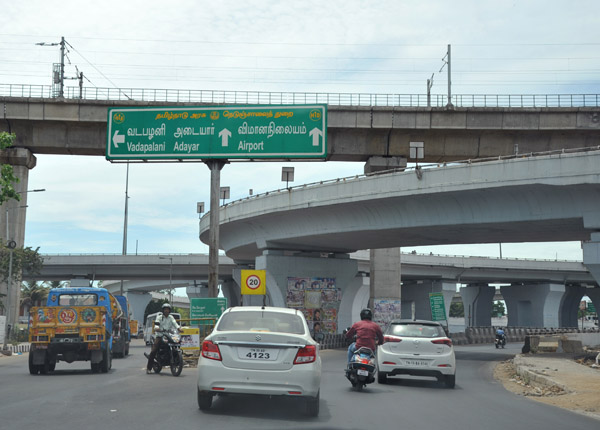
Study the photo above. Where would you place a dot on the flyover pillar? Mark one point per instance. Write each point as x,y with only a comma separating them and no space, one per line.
385,272
13,214
311,282
138,300
533,305
477,301
415,297
591,253
570,305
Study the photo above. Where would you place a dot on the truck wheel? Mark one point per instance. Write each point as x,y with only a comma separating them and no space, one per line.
127,350
45,368
106,364
34,369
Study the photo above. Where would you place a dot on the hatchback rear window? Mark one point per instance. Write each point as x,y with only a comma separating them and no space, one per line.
261,321
416,330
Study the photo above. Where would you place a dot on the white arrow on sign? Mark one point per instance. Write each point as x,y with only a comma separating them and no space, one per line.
118,138
315,133
225,135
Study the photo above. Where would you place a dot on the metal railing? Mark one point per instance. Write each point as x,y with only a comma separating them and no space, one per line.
283,98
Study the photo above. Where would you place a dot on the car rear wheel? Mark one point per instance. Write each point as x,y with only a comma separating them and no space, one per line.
204,401
382,377
450,381
312,406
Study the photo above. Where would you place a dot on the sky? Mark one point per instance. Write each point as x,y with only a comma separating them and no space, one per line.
358,47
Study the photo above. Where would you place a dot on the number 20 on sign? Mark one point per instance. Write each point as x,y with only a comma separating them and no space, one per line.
254,282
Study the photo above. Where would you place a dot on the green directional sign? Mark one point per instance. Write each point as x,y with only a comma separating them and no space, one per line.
207,307
438,309
591,308
237,132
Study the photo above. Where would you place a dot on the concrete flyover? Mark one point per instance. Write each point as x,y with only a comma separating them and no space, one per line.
145,274
529,199
355,133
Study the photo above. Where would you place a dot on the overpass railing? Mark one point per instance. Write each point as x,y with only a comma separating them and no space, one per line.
277,98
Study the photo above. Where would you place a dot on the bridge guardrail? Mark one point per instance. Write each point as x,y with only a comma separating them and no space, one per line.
282,98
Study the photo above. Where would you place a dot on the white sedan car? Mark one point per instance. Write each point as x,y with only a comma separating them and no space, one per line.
418,348
260,350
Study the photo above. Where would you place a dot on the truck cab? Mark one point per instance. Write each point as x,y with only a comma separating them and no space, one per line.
75,325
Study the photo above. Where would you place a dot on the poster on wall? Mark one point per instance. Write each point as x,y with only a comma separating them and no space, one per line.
386,310
319,300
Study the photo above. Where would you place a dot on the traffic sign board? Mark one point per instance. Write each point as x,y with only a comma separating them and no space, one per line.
237,132
254,282
211,307
438,309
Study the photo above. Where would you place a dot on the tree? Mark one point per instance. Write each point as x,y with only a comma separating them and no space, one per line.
24,260
154,306
457,310
7,174
33,293
498,309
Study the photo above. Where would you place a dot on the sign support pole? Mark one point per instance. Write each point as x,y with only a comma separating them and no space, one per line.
215,167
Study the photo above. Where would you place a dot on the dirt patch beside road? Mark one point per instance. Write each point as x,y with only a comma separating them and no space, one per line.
577,386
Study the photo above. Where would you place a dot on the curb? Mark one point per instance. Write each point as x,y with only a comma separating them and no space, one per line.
535,377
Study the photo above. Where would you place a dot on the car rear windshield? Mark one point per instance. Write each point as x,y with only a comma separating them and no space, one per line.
416,330
78,300
261,321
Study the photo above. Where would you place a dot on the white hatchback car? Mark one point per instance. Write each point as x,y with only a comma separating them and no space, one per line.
260,350
418,348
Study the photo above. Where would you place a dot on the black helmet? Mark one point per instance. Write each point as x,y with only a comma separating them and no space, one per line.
166,306
366,314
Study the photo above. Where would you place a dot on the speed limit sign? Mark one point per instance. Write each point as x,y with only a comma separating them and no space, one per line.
254,282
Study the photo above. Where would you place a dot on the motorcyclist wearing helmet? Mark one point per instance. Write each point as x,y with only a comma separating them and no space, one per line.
164,322
366,332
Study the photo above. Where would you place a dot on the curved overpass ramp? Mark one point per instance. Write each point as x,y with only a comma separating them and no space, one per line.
530,199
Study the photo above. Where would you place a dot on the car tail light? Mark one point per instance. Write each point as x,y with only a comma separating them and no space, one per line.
444,341
388,338
308,354
211,350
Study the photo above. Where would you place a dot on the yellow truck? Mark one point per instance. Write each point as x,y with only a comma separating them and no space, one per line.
76,325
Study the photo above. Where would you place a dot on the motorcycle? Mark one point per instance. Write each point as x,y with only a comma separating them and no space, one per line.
169,353
362,368
500,341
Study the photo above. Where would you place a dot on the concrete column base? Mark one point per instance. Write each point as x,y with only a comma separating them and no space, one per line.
478,301
533,305
415,297
282,269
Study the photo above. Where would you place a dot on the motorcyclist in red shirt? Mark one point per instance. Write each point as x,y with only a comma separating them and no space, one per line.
366,332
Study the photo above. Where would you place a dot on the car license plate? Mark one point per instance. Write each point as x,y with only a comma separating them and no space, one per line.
258,354
416,363
362,372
